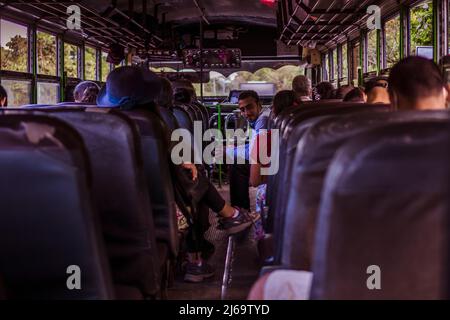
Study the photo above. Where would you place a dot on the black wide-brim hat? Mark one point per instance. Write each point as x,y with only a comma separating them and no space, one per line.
127,87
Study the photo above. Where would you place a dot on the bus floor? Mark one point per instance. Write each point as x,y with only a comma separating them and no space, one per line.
246,265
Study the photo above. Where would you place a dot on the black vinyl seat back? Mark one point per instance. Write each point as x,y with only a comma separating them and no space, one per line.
47,221
121,196
169,118
313,155
280,184
204,113
155,153
184,119
385,213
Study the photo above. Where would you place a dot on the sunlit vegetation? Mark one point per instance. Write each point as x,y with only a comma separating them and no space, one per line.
71,60
421,28
90,62
46,53
392,35
372,51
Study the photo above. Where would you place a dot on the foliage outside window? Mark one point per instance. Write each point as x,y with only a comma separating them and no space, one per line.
71,60
105,67
327,67
14,46
46,54
344,57
421,27
47,93
372,51
219,85
392,36
90,63
335,65
19,92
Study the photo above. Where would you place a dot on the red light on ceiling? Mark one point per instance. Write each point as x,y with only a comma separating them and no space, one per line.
269,3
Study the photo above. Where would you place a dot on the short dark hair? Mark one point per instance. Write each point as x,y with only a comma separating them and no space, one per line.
416,77
3,94
356,95
325,90
374,83
342,91
249,94
282,100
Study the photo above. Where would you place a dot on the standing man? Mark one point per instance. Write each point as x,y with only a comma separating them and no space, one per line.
239,174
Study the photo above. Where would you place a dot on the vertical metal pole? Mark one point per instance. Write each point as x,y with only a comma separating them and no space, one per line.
219,125
402,32
33,61
61,73
436,24
378,51
361,60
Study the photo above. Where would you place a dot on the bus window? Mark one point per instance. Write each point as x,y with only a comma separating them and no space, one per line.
71,60
19,92
344,64
106,67
421,29
372,51
90,63
47,93
46,54
355,63
14,46
327,68
392,42
335,65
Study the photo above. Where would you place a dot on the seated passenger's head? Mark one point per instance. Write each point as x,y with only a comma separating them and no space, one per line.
130,87
165,99
282,100
302,88
416,83
250,105
86,92
325,90
342,91
3,97
356,95
377,92
184,91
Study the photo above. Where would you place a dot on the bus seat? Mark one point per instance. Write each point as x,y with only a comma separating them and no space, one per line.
154,139
45,228
121,197
169,118
184,119
315,151
384,214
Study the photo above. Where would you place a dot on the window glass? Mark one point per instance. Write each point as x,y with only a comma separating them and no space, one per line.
372,51
46,54
106,67
335,65
392,36
327,67
344,57
47,93
90,63
19,92
356,63
14,46
421,29
71,60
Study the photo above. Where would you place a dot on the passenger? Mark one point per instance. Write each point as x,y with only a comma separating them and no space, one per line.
356,95
134,88
377,92
86,92
281,101
239,174
302,88
325,91
416,83
3,97
184,91
165,99
342,91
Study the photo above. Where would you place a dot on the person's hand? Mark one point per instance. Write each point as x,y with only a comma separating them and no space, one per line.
191,167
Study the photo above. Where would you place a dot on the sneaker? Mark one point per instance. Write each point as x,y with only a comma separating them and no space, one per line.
235,225
196,273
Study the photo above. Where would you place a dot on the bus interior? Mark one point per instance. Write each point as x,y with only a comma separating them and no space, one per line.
93,206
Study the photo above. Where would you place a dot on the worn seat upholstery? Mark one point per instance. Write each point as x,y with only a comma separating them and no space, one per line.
385,206
47,220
